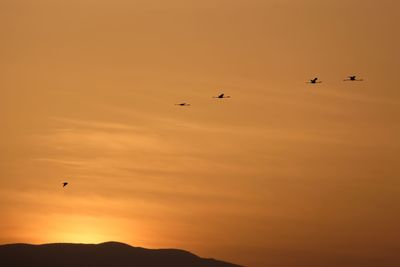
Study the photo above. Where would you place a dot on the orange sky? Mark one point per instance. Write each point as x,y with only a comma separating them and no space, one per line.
282,174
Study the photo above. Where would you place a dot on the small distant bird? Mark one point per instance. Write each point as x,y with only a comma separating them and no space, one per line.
183,104
222,96
352,78
64,184
315,80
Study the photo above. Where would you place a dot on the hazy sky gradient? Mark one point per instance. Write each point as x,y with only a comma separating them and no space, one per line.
284,173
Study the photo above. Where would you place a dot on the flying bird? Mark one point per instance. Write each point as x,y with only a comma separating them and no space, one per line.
222,96
183,104
353,78
64,184
315,80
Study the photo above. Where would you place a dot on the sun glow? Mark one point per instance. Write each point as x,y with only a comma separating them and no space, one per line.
82,229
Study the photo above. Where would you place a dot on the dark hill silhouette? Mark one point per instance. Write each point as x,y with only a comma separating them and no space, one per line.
109,254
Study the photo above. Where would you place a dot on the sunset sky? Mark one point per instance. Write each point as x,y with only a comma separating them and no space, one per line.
282,174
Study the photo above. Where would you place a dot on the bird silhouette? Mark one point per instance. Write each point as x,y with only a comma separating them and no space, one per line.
222,96
352,78
183,104
64,184
315,80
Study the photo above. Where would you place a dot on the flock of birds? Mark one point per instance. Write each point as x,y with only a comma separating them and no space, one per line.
352,78
219,96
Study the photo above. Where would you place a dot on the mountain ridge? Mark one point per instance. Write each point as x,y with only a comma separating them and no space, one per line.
107,254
